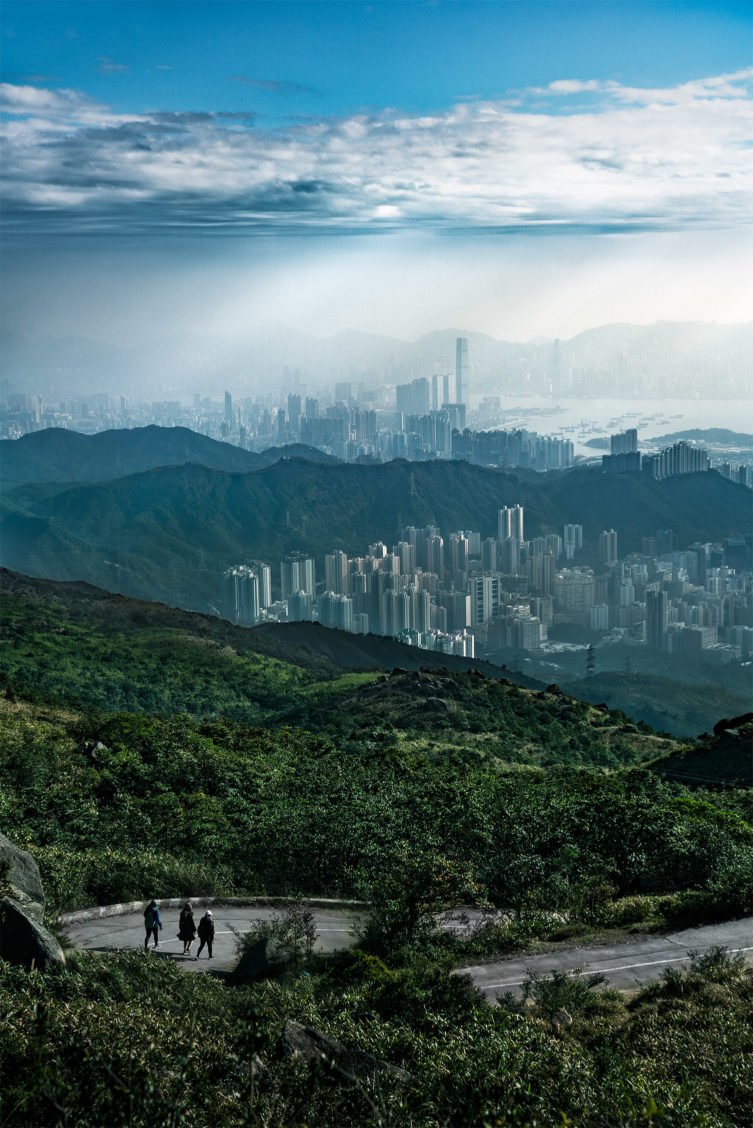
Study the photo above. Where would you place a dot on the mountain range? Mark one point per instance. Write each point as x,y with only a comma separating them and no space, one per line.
664,358
168,532
57,455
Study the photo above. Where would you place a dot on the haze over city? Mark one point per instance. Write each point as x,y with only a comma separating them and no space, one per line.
521,170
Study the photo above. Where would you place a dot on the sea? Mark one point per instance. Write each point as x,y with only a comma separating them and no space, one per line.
580,419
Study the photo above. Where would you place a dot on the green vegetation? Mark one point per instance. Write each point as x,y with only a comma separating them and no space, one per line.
112,806
118,655
167,533
128,1040
145,751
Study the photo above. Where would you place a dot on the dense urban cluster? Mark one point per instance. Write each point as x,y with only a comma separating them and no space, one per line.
477,595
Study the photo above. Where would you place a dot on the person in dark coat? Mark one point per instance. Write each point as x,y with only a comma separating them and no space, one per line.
152,924
206,933
186,928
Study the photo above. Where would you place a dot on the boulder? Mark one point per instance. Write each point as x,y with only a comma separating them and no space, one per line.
25,941
328,1058
732,723
561,1020
23,877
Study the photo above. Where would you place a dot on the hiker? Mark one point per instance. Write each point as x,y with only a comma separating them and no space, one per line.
152,924
206,933
186,928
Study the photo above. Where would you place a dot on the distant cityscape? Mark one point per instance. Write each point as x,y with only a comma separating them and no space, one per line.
424,419
478,596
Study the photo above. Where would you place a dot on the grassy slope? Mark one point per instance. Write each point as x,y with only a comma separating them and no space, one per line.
79,644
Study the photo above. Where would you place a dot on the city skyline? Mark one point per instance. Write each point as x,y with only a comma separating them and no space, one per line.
518,170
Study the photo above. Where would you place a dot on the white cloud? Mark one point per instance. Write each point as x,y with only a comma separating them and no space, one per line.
631,158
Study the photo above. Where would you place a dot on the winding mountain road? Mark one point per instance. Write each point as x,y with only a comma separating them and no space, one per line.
126,930
626,966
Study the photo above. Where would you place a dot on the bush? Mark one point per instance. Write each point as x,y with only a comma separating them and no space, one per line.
292,931
562,990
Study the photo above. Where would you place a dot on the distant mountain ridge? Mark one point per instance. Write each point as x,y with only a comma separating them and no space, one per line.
57,455
663,355
167,534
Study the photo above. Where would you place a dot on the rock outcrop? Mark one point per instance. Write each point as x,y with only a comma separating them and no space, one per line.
328,1058
25,941
23,878
23,938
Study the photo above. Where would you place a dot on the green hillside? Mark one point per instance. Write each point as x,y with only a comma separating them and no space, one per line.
73,643
724,759
169,533
57,455
457,789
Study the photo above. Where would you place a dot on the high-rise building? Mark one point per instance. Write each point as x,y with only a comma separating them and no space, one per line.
678,459
572,540
336,611
337,572
484,593
246,591
510,522
461,367
413,398
294,413
656,619
228,409
297,573
489,554
300,607
458,559
608,547
624,443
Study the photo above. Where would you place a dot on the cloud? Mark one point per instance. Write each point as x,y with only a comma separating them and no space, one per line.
109,66
273,85
630,159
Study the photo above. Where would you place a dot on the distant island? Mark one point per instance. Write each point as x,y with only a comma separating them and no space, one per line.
720,436
716,436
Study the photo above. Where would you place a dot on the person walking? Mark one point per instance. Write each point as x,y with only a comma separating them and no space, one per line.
152,924
206,933
186,928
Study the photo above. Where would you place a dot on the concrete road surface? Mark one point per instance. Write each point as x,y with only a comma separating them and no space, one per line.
333,931
626,966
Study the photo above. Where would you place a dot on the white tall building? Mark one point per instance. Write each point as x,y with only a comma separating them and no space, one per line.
246,590
510,522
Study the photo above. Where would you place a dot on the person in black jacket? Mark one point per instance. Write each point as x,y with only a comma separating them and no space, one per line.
206,933
186,928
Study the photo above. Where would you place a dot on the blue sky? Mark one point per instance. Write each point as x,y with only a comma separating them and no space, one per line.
386,166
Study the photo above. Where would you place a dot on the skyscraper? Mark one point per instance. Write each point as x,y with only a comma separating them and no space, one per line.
297,573
245,591
608,547
510,522
656,618
461,366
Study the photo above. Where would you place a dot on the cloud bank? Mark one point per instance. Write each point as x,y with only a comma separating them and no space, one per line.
578,155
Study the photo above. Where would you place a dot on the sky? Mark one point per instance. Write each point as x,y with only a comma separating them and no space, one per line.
522,169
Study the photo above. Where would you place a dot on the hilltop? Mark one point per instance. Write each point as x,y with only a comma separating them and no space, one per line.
57,455
723,759
73,643
167,534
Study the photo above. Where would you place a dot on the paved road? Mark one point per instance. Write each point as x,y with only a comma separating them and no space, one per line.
626,966
333,927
